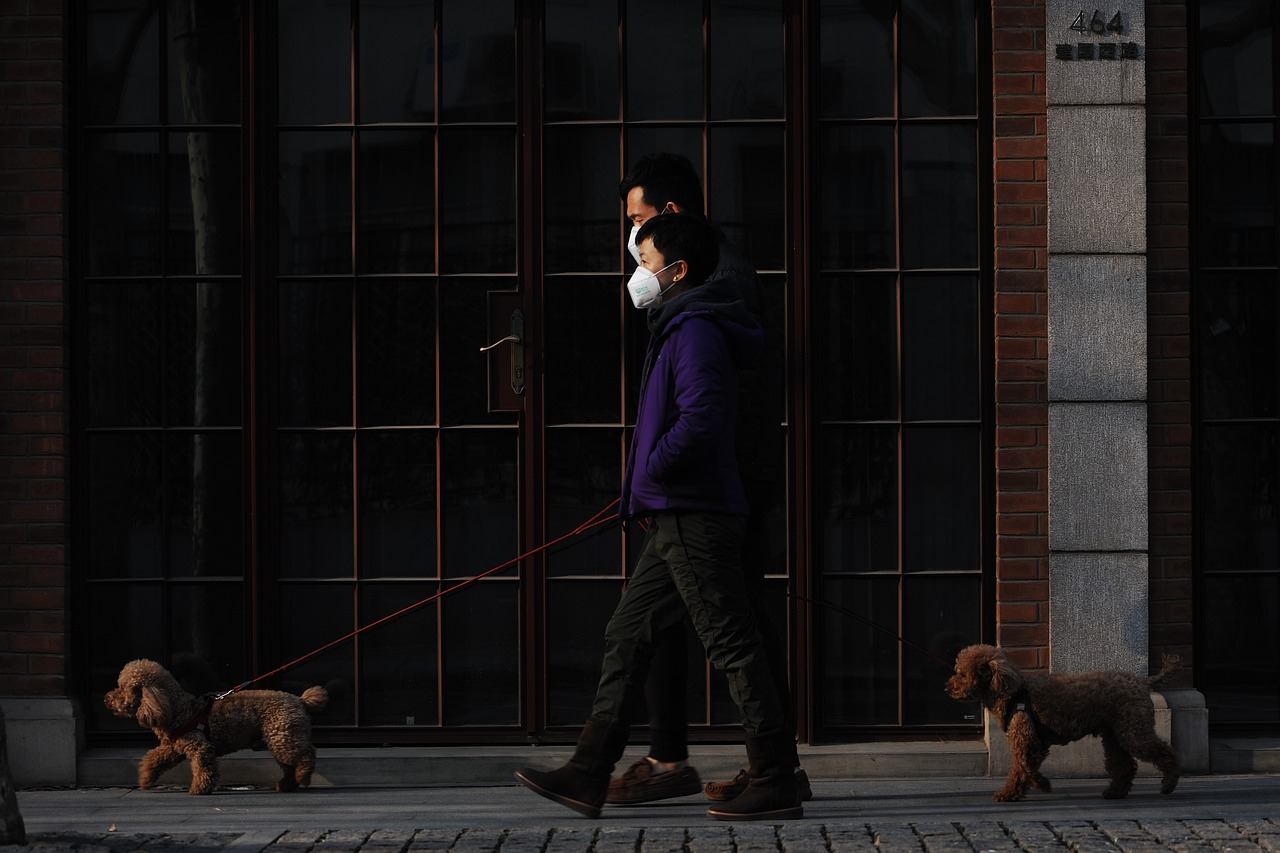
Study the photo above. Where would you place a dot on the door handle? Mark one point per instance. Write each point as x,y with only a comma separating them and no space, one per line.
516,339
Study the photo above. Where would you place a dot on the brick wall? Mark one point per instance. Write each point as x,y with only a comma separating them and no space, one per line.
1169,331
33,383
1021,331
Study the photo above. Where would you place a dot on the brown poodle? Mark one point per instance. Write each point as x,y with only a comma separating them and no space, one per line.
1037,711
202,728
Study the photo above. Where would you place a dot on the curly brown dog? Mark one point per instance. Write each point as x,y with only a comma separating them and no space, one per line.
201,728
1037,711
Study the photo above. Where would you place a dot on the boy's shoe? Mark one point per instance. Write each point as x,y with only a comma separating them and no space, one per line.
720,792
640,784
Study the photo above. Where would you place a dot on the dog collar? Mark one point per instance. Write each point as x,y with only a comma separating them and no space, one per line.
198,723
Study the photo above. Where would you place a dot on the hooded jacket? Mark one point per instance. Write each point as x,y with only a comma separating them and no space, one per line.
682,454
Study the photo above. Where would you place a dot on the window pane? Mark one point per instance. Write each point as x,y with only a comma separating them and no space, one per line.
1238,473
856,176
477,201
659,88
399,667
122,626
1235,41
856,338
855,78
204,203
315,353
123,357
1238,338
397,473
204,62
205,504
1242,667
397,201
858,675
207,635
940,347
122,195
936,39
583,353
481,657
745,42
204,371
580,60
315,505
580,168
939,196
122,39
1237,196
312,615
857,474
315,203
479,508
396,351
314,62
942,617
478,75
746,195
397,61
124,501
941,498
584,476
577,613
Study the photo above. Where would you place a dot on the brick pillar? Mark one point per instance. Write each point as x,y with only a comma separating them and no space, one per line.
33,396
1021,346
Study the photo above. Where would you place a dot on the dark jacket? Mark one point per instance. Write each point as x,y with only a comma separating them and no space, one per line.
682,454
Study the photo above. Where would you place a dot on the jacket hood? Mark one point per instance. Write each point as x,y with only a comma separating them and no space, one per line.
718,298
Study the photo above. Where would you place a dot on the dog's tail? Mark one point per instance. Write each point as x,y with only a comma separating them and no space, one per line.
1171,664
315,698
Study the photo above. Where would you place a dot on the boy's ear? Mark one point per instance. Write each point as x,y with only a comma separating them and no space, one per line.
682,270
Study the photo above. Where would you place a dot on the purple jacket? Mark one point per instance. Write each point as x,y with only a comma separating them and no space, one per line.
682,454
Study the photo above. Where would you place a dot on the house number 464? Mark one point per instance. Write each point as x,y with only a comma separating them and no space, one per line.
1096,25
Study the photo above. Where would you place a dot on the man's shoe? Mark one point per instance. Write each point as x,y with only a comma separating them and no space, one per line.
640,784
567,786
763,799
720,792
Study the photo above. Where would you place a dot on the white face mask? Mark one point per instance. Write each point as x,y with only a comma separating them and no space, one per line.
645,289
631,243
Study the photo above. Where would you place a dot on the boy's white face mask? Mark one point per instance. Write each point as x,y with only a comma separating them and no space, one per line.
645,289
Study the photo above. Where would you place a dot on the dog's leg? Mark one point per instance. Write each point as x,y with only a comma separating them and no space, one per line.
1121,768
1026,753
306,765
1155,751
155,762
204,768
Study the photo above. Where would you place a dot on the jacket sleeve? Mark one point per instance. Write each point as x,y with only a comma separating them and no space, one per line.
702,373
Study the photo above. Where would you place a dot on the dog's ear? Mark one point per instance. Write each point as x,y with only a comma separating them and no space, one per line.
1006,678
153,708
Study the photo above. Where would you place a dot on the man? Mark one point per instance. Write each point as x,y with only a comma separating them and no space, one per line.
668,183
681,476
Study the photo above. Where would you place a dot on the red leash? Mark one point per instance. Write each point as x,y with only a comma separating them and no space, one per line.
595,521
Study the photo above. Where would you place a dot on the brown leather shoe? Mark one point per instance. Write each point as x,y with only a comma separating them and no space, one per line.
720,792
640,784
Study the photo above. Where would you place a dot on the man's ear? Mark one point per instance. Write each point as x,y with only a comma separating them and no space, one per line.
672,207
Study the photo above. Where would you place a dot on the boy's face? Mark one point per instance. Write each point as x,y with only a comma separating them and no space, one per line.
653,260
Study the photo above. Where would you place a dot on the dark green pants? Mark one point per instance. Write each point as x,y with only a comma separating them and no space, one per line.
690,563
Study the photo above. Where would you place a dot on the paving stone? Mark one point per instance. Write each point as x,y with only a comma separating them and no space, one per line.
477,841
802,838
572,840
523,841
714,838
662,839
433,839
610,840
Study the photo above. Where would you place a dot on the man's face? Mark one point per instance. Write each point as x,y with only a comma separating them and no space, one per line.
638,212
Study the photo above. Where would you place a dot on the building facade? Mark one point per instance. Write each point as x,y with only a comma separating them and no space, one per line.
313,313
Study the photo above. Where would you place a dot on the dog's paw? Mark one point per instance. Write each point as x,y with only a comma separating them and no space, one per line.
1004,795
1040,783
1116,792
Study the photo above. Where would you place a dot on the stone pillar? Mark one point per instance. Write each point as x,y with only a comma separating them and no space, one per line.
1098,576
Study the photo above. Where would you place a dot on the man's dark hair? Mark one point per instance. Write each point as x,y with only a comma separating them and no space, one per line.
665,178
684,237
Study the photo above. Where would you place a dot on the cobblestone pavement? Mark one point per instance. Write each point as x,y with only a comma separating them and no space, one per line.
1238,813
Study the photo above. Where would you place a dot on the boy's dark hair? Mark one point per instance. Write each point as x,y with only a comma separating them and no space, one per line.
684,237
665,178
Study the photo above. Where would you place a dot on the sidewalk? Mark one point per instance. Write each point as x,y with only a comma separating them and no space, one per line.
1219,812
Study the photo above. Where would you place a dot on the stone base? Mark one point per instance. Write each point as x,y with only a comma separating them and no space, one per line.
1181,720
44,737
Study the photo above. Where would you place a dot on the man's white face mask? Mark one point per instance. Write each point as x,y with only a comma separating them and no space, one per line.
631,243
645,289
